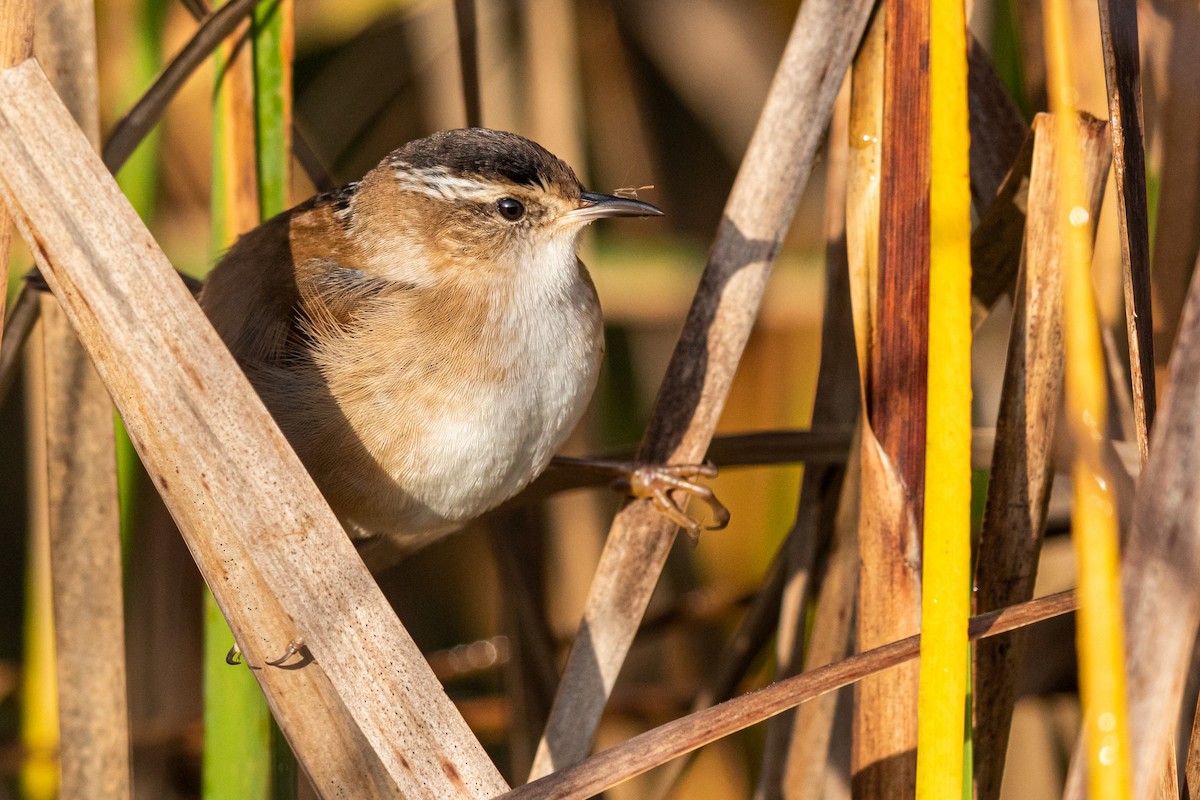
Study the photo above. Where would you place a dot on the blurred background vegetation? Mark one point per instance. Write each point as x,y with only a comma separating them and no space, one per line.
634,94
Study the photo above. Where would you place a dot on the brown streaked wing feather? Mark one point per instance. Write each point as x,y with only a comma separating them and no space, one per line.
250,294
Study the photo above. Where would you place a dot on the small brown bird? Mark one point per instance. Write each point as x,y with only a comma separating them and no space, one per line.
427,337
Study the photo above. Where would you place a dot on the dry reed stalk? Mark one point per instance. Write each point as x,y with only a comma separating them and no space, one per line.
518,544
24,313
996,242
554,107
753,632
889,591
240,758
835,403
812,728
757,215
128,133
997,131
1161,568
1094,525
16,45
84,517
468,59
39,775
1022,468
363,711
85,554
1122,73
1027,18
679,737
1177,227
1192,764
1161,572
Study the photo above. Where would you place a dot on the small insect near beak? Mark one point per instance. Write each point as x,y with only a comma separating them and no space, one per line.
597,206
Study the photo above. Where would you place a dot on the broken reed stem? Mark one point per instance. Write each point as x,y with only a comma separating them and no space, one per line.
1100,632
657,746
757,216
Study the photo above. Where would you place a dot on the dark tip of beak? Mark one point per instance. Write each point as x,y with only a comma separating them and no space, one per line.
609,205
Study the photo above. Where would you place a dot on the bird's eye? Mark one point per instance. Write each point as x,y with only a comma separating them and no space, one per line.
512,210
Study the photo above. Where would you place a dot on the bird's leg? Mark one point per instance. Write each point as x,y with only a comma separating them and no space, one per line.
656,482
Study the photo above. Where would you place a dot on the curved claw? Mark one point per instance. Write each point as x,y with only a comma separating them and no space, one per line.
234,656
656,482
293,648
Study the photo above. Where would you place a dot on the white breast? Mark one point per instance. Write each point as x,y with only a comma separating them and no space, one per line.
445,463
500,436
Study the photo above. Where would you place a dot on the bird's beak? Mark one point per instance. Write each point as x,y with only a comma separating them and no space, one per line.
597,206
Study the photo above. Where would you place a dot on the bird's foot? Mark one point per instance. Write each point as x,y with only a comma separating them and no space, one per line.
667,486
294,647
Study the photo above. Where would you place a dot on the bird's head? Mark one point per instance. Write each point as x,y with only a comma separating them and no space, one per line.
467,201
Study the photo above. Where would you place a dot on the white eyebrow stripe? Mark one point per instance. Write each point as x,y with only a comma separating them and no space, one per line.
441,185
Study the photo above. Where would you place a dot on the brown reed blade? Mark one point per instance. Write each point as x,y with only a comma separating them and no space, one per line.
1122,73
648,750
889,591
996,241
1022,467
757,216
364,714
1177,226
997,131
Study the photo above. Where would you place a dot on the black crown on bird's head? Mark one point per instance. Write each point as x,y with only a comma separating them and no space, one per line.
487,154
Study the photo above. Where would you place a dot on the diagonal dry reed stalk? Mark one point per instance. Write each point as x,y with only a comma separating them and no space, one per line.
679,737
365,714
757,215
